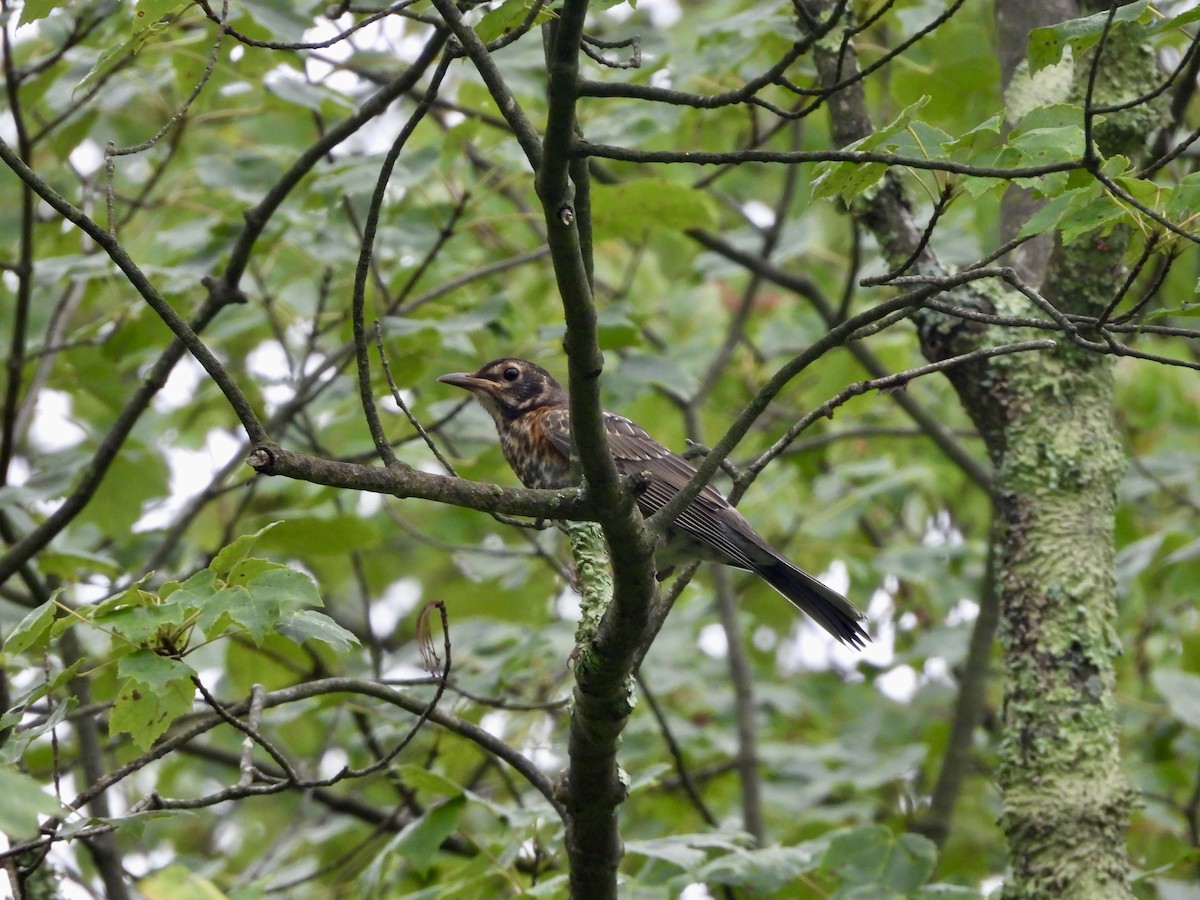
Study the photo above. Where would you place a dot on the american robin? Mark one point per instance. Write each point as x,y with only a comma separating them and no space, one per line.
533,417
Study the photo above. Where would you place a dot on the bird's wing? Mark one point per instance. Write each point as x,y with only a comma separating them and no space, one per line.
708,519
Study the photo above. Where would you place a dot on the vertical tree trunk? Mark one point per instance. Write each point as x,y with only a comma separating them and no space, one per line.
1066,798
1048,422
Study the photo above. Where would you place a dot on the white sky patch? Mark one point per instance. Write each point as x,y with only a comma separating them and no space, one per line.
900,684
764,639
270,363
713,641
22,680
962,612
620,12
235,88
567,606
494,723
759,213
63,858
837,576
991,885
268,360
662,13
323,29
403,670
403,41
400,599
388,403
86,593
937,671
324,73
228,836
191,472
181,386
940,531
53,428
695,891
537,746
282,73
333,761
18,471
368,504
87,157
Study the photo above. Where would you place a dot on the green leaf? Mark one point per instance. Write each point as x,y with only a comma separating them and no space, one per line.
233,606
1046,44
423,779
768,869
846,180
155,691
24,802
315,97
31,628
1185,197
72,565
308,624
142,621
234,552
630,209
985,133
1186,311
131,596
156,672
947,892
193,595
420,840
1048,217
506,17
1100,214
871,855
32,10
14,749
336,534
1042,146
138,475
1186,17
282,588
1181,690
149,12
279,21
687,851
175,882
658,370
113,56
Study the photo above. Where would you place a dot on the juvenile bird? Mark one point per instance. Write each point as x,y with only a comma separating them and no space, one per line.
533,417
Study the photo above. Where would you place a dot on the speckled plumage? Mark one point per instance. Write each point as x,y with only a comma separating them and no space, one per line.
533,419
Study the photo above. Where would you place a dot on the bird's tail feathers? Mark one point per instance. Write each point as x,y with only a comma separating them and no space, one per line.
827,607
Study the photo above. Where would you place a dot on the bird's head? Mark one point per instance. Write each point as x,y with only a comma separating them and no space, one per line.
507,388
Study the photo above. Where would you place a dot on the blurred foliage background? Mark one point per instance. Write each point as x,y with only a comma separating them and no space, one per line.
849,743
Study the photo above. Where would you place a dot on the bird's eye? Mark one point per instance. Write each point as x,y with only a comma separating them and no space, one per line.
512,373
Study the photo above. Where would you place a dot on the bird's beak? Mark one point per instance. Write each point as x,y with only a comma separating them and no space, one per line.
466,381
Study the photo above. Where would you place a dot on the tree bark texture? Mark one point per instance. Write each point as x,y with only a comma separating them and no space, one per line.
1047,420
